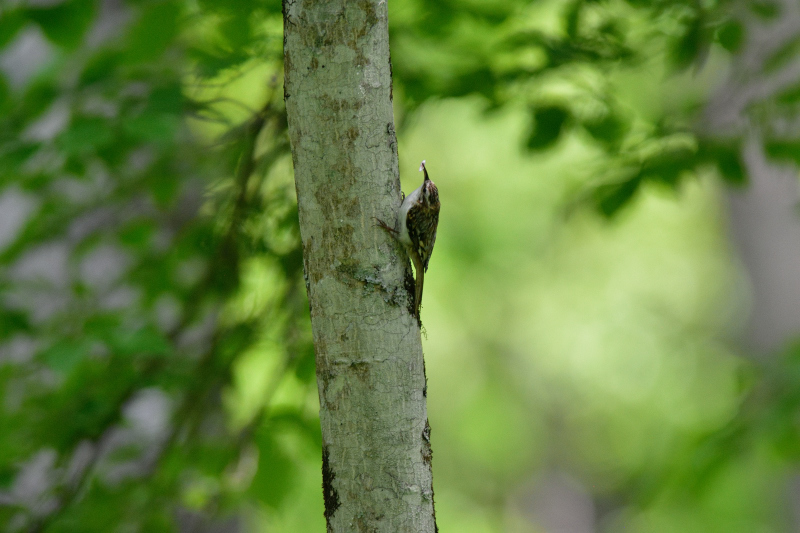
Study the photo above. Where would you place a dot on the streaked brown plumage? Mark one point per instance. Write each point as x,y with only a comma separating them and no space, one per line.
417,220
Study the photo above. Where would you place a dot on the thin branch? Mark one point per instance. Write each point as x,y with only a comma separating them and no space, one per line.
195,399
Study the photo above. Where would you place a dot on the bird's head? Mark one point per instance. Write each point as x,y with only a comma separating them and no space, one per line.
430,194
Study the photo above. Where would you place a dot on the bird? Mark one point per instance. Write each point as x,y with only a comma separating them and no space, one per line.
415,228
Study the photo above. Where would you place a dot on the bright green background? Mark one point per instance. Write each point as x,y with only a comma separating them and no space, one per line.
580,308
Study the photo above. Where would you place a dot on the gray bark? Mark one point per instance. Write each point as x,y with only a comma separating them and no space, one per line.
764,223
370,371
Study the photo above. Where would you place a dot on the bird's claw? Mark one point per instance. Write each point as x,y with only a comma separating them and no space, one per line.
383,225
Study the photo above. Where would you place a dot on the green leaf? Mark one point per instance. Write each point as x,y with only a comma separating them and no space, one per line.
608,130
38,97
84,135
138,233
11,21
157,128
610,198
305,364
765,9
273,480
548,123
210,63
101,66
667,166
481,81
101,326
731,36
163,181
16,156
144,341
6,477
727,158
731,167
292,419
153,33
167,98
65,355
87,403
572,19
784,151
66,23
236,29
12,322
790,95
691,45
5,95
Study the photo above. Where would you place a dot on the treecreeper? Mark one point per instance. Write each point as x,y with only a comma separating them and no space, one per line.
415,229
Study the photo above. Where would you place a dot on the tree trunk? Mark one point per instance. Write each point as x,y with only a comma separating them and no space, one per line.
370,373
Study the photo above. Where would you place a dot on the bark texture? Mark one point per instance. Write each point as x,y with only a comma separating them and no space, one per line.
370,371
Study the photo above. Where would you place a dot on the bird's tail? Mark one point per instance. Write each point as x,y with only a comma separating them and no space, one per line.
418,266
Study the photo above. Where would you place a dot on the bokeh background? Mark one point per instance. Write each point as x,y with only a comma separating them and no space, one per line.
611,312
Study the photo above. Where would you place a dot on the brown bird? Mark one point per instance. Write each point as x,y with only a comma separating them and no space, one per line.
415,228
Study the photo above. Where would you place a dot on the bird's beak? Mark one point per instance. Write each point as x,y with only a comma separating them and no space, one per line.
425,170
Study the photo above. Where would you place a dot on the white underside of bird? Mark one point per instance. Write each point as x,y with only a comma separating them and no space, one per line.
402,215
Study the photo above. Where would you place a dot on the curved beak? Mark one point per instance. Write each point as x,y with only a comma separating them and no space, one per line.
425,170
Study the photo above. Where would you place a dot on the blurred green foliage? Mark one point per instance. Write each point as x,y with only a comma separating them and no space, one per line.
156,365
